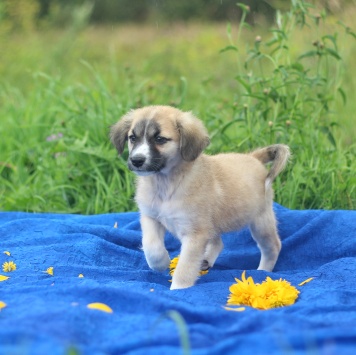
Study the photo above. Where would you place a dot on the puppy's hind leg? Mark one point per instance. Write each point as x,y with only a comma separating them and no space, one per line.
264,232
213,249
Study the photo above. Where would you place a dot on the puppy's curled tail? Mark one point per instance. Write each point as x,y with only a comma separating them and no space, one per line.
277,154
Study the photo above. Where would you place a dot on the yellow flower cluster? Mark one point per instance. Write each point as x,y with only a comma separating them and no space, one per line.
269,294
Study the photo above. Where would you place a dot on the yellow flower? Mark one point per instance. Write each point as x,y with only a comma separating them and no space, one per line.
246,292
269,294
8,266
49,271
2,305
279,293
80,275
7,253
173,265
4,278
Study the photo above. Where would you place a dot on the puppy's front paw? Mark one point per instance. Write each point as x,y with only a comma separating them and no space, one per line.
158,262
176,285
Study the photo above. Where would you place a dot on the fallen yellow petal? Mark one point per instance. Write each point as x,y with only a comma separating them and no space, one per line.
2,305
100,306
238,309
49,271
306,281
7,253
80,275
3,278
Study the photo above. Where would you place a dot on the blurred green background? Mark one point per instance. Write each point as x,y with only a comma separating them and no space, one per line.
257,73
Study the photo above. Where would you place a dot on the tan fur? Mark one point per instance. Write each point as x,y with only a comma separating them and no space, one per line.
198,197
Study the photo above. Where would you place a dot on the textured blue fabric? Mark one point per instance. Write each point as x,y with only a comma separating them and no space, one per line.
48,314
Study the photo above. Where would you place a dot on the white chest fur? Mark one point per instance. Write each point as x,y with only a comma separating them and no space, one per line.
163,201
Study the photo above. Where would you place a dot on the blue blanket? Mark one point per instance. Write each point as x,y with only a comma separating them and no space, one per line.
48,314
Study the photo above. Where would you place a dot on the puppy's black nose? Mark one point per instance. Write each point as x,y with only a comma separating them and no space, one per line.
137,161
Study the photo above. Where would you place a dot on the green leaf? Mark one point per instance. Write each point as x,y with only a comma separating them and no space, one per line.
280,32
348,31
259,97
246,25
331,38
229,48
308,54
277,49
272,42
244,83
343,95
333,53
297,66
326,130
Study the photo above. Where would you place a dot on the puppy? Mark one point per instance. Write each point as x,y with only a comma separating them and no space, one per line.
196,197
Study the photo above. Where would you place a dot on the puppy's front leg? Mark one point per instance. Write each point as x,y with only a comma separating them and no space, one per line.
153,244
189,263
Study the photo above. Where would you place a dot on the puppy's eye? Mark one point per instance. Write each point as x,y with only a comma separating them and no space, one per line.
161,140
132,138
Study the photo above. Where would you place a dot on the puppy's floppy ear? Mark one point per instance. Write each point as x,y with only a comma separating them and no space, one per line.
194,137
119,131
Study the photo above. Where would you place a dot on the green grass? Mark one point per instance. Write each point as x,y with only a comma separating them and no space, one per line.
74,84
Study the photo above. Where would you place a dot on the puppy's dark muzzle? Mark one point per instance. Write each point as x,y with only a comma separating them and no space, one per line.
137,161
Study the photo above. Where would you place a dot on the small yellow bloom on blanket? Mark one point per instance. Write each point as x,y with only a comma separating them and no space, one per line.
269,294
173,265
2,305
7,253
3,278
8,266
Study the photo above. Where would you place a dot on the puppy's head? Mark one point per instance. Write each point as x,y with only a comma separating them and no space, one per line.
159,138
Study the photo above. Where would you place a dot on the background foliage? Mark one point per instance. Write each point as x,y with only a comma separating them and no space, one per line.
27,14
67,74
